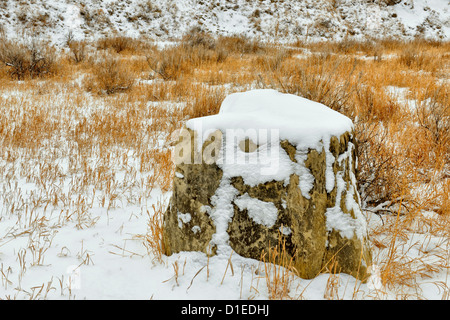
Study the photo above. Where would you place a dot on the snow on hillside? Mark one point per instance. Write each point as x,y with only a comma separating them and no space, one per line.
267,19
43,255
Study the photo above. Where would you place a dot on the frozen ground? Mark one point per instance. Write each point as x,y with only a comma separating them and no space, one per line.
57,249
60,239
110,261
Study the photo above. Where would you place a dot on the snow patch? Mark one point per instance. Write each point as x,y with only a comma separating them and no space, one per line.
306,179
352,224
196,229
285,230
221,214
179,175
261,212
183,218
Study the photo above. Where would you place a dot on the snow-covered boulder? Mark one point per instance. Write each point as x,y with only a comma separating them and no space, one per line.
269,166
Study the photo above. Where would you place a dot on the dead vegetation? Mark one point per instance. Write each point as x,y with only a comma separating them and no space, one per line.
119,101
30,59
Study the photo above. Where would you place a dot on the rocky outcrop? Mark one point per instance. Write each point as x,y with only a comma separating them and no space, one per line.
313,206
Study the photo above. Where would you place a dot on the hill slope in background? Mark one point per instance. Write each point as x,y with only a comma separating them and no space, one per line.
281,20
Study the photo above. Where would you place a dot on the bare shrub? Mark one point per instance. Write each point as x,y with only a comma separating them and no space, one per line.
380,166
411,57
391,2
169,63
196,37
117,43
433,114
42,58
201,46
319,80
273,62
414,55
373,104
433,117
204,103
196,49
172,63
383,168
110,76
31,58
240,44
77,50
14,56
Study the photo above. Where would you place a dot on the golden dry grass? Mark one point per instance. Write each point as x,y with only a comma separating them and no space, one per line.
116,107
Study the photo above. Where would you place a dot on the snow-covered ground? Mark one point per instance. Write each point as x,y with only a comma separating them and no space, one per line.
58,249
266,19
109,260
62,240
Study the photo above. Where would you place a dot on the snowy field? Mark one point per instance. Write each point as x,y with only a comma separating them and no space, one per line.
84,175
67,234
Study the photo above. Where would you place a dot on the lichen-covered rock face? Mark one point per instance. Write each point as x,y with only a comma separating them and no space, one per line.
222,201
187,224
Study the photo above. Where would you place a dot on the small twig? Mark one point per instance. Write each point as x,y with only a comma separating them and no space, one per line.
194,277
231,266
